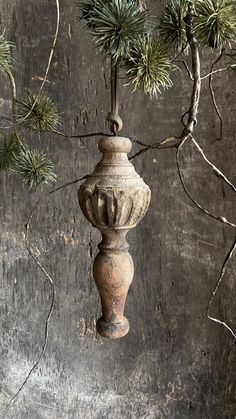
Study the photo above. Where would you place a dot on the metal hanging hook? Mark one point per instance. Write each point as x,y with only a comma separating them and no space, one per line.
115,121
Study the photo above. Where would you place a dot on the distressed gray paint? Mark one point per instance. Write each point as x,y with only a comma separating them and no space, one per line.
174,363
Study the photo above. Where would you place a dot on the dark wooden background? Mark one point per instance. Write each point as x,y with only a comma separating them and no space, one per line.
175,363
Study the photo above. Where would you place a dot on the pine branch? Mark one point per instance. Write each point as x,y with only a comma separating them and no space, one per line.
172,26
115,25
149,65
215,23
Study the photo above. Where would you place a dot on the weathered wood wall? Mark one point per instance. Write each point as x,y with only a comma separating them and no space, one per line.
175,363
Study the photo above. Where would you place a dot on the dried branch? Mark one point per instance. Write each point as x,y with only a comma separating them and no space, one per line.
220,70
216,171
81,136
186,68
49,278
199,206
213,93
222,273
170,142
196,72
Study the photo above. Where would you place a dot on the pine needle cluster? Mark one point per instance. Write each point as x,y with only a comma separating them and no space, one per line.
90,10
172,26
124,33
115,25
38,113
34,167
215,23
9,148
149,65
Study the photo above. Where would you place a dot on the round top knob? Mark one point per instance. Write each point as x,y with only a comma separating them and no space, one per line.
115,145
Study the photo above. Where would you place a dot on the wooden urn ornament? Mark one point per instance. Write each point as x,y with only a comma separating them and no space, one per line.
114,198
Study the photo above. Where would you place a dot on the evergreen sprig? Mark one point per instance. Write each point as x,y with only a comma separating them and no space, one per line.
172,26
34,167
115,25
90,10
9,149
215,22
38,113
149,65
5,53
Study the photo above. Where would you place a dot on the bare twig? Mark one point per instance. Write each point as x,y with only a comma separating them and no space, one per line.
220,70
222,273
49,278
81,136
186,68
216,171
213,93
199,206
170,142
180,53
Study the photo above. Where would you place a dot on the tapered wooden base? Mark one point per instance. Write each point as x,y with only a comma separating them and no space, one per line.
113,330
113,272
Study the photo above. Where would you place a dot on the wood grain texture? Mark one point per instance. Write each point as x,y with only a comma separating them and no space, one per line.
174,363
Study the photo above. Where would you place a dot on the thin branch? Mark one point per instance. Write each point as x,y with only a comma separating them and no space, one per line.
57,2
13,104
213,93
170,142
49,61
220,70
81,136
222,273
138,142
13,100
180,53
49,278
199,206
186,68
96,134
216,171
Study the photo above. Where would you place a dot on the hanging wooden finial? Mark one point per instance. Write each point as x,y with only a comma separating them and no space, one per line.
114,199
